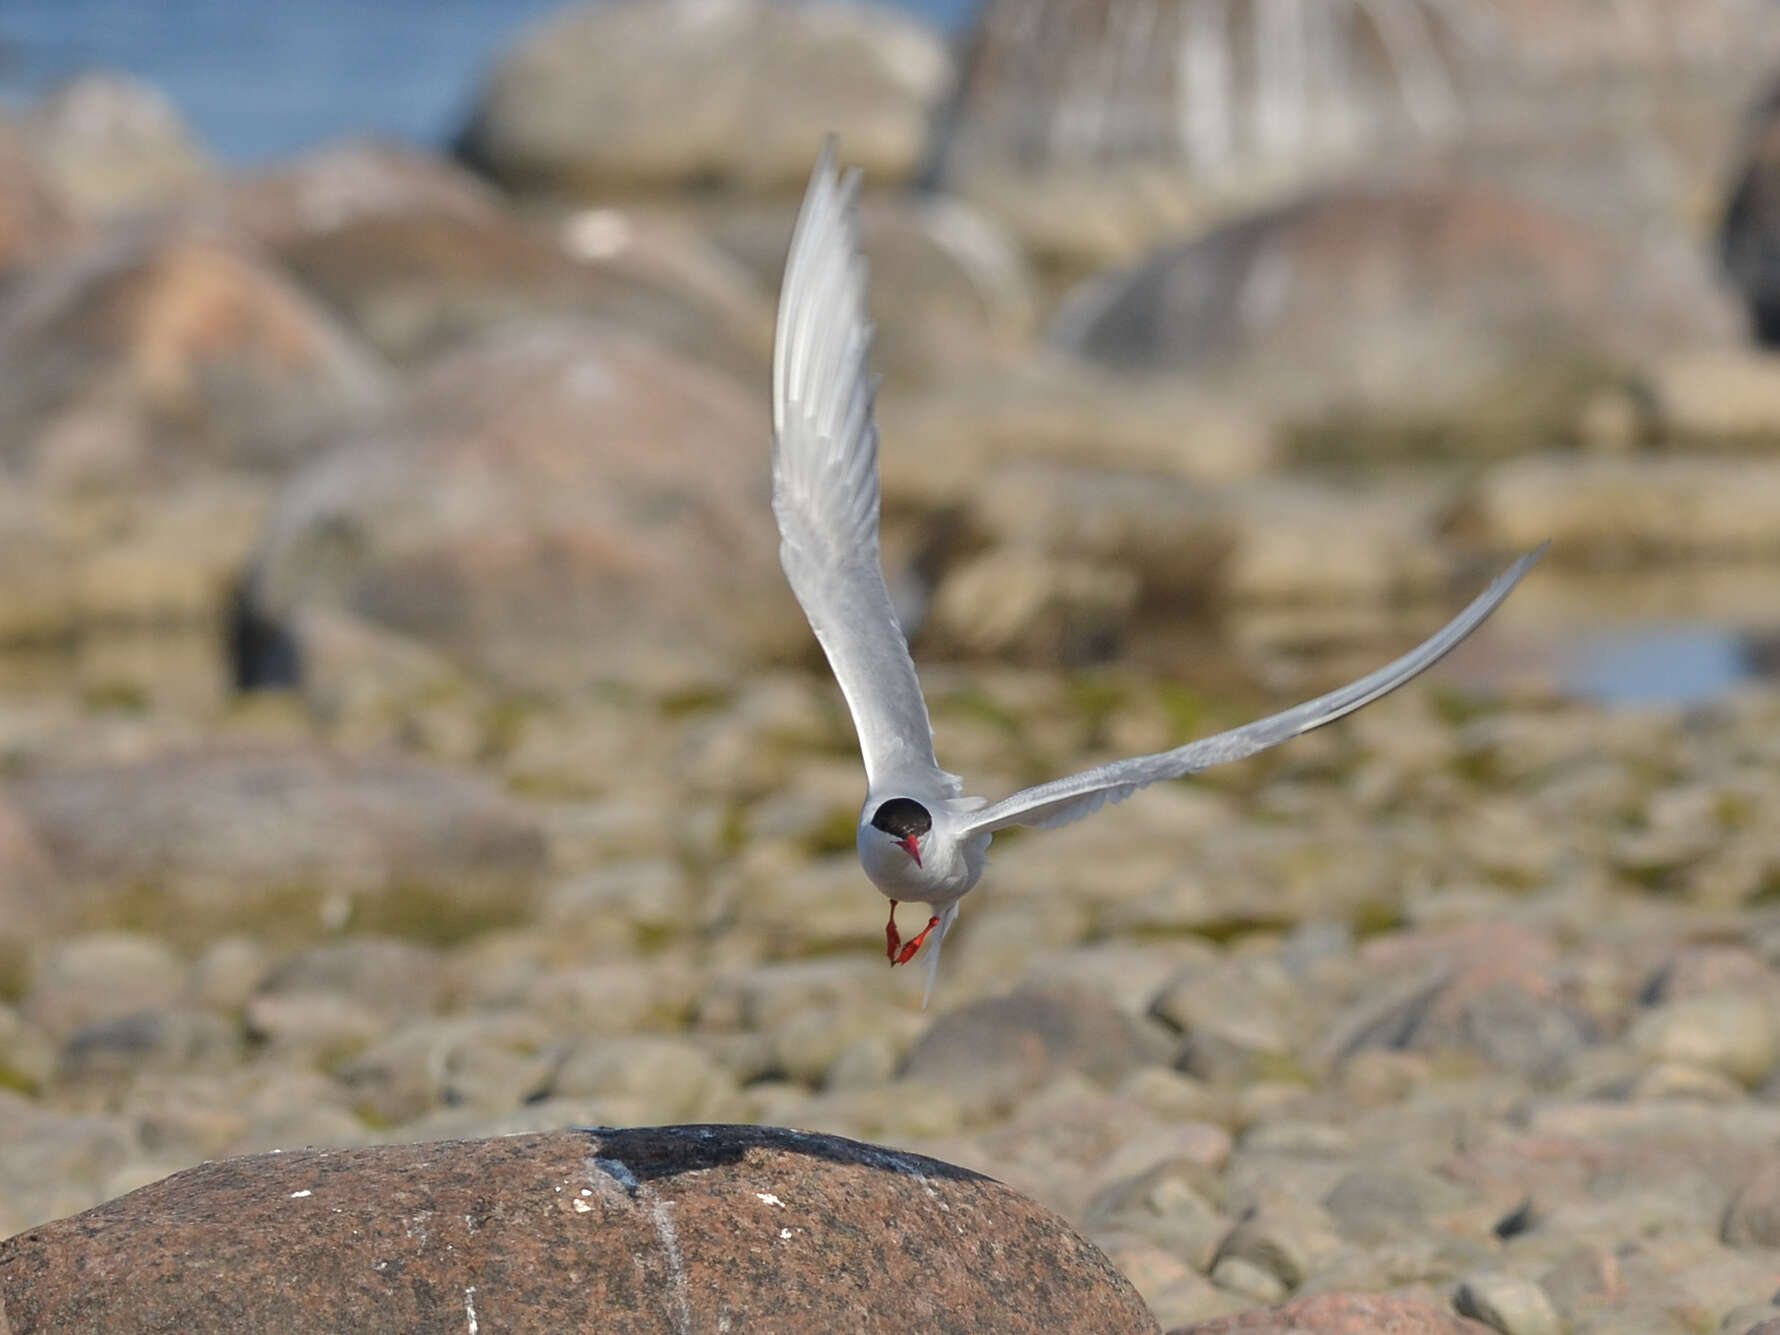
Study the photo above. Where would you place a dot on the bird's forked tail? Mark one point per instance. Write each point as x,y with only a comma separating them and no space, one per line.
946,919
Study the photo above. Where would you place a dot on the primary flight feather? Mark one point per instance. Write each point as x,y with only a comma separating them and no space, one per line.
919,837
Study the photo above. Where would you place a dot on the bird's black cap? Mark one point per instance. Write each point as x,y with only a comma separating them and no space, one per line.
902,817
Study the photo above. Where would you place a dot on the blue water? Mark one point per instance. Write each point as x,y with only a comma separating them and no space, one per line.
261,79
1675,664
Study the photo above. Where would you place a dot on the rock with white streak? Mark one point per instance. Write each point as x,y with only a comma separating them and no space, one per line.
656,1229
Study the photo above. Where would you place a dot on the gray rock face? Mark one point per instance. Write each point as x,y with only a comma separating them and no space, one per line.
554,505
669,1228
642,93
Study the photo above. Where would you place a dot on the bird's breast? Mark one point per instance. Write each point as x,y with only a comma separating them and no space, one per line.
940,878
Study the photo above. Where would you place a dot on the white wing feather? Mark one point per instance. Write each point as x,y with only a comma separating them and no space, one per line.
825,483
1065,800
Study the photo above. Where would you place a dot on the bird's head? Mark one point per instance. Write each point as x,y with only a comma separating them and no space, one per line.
906,821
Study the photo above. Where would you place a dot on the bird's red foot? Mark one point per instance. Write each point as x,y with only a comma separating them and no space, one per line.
907,953
892,937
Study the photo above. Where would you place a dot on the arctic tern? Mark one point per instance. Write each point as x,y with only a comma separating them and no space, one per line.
920,838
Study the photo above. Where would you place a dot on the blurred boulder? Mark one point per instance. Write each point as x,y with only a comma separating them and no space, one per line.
551,505
389,977
165,350
52,1164
115,145
483,1062
1094,127
656,1229
673,1079
1727,1031
1298,541
1749,233
96,978
24,862
413,285
1019,603
1715,397
284,837
1753,1217
1627,510
36,219
416,252
156,1040
655,94
1377,315
349,182
951,443
1481,992
158,559
1172,535
25,879
1618,116
951,293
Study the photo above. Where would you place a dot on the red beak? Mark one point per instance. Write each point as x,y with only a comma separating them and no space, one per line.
909,846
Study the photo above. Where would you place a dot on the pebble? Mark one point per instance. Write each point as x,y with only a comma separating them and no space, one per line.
27,1054
159,1038
1753,1216
1509,1305
997,1049
1168,1205
1248,1280
1288,1239
1731,1032
676,1078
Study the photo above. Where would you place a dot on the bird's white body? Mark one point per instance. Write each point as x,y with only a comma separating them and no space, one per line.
920,838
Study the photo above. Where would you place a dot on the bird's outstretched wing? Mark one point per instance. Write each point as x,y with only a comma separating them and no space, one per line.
1065,800
825,481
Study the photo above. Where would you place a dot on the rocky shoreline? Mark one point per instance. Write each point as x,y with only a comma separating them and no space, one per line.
1449,996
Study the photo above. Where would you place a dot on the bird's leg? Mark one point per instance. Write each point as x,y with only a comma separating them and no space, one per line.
907,953
892,937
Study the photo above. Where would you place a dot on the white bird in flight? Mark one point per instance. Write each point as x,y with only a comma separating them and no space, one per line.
920,838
